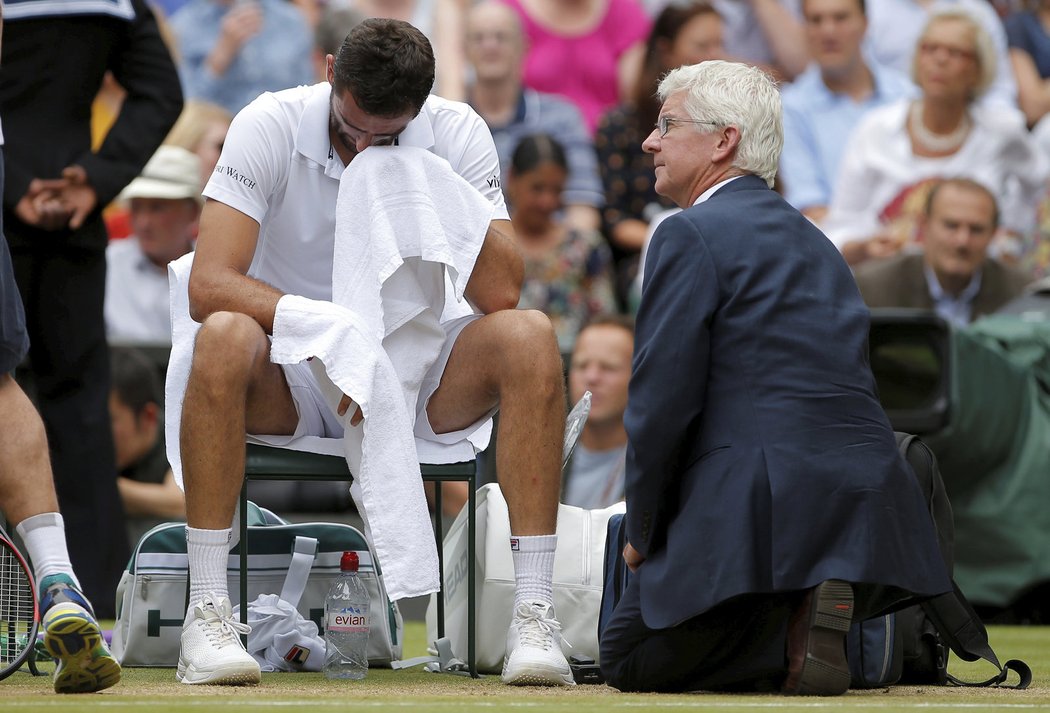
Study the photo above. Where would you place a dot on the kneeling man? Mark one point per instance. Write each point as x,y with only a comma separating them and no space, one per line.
767,504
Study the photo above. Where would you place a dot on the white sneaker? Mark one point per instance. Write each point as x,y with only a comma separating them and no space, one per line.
534,655
211,647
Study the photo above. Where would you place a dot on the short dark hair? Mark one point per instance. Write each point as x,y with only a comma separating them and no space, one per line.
535,150
388,67
135,378
966,184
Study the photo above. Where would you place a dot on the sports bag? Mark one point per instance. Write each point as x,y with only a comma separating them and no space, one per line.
153,591
911,646
578,566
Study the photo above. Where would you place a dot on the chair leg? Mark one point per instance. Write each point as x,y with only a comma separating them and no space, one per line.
472,663
243,558
439,536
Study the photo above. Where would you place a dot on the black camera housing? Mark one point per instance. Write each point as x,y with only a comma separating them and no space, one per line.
584,670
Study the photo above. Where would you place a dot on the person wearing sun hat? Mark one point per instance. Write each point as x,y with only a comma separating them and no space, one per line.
165,203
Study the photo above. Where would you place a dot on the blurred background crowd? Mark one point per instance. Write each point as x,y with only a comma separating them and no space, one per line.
916,137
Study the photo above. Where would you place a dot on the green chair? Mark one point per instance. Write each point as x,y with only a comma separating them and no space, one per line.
271,463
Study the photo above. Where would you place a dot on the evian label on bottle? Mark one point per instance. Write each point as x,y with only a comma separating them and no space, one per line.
347,620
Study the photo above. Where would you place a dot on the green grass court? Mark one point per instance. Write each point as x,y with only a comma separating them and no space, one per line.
156,690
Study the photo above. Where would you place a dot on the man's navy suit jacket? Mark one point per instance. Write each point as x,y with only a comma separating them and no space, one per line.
759,458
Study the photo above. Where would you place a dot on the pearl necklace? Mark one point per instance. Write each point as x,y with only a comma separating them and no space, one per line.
938,143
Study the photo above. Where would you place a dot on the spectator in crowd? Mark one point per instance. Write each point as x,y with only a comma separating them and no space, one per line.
496,50
201,128
1029,40
165,203
588,51
681,34
54,59
232,51
147,485
568,272
824,104
767,503
897,150
894,27
954,274
601,364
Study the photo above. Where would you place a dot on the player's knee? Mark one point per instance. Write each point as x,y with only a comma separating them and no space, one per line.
530,332
228,342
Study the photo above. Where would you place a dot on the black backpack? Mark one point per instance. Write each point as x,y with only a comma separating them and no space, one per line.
911,646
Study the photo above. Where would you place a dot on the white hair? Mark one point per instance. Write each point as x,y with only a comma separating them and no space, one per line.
734,94
987,64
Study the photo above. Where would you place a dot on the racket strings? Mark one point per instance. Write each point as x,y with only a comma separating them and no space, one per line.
17,607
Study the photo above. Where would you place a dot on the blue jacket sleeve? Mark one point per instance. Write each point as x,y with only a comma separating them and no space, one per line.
669,375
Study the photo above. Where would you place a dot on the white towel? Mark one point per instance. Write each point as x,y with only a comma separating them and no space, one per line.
399,202
381,451
183,334
405,224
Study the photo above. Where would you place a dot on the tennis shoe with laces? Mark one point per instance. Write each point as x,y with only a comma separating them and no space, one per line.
73,638
212,652
534,656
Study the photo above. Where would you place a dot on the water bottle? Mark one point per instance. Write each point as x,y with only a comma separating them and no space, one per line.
346,623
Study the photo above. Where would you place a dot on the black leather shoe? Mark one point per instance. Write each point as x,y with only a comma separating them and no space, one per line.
816,641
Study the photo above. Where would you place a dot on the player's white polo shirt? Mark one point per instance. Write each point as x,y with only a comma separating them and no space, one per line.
278,166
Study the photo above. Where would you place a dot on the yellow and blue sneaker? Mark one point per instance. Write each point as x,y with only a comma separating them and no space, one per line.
72,636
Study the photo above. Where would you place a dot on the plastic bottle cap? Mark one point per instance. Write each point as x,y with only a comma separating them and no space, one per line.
349,562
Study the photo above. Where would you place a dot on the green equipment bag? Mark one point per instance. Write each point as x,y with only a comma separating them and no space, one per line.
153,591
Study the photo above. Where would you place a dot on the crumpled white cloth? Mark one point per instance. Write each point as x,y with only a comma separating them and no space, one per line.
281,638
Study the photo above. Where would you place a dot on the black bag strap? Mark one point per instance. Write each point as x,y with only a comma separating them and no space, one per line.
964,632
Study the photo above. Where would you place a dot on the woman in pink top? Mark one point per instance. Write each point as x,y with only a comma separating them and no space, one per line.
588,51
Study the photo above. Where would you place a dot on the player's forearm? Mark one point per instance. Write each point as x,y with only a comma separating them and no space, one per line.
227,290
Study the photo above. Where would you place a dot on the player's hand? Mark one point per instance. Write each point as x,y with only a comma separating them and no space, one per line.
344,406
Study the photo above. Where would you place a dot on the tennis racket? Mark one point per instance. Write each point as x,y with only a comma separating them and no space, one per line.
19,616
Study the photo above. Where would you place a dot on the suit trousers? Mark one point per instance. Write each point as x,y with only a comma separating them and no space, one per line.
63,288
738,645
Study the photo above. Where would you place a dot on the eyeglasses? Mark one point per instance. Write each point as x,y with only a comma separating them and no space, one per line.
353,133
663,124
954,53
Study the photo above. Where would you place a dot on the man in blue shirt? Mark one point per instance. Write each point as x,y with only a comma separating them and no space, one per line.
824,104
234,50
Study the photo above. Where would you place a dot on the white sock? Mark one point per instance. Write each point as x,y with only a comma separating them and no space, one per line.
44,536
533,568
208,552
